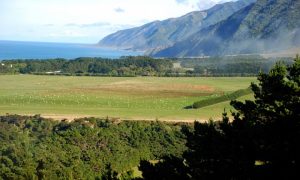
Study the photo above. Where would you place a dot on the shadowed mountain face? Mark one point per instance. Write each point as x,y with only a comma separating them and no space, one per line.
162,34
265,26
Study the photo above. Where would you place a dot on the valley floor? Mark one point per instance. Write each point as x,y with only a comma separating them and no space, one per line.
124,98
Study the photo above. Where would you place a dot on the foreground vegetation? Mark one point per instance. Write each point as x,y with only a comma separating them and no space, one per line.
120,97
37,148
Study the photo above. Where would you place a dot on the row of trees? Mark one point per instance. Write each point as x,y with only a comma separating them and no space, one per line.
143,66
230,66
125,66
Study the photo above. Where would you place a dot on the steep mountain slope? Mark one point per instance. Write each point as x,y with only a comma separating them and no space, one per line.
266,26
161,34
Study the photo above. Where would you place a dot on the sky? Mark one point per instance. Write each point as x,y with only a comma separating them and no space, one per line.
85,21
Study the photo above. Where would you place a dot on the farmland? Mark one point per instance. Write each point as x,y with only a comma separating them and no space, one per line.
138,98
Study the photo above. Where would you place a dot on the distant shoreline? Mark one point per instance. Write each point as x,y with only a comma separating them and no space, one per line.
12,50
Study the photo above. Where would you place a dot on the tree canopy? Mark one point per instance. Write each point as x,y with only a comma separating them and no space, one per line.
38,148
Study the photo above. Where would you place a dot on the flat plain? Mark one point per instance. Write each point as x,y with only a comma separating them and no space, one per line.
131,98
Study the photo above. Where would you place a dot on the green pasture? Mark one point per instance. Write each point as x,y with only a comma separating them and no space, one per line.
140,98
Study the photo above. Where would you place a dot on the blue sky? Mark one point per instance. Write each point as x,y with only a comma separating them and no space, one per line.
85,21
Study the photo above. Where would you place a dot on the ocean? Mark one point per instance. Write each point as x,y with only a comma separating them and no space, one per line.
42,50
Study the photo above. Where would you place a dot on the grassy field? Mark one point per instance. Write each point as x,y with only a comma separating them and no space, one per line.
140,98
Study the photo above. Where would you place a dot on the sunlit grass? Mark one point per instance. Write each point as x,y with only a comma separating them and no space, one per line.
126,98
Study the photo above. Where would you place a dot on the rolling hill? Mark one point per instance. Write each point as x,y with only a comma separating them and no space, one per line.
263,27
162,34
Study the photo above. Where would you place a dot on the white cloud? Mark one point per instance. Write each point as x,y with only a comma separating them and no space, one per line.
42,20
91,25
119,10
182,1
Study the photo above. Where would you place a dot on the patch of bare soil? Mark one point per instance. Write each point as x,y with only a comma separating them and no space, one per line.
131,87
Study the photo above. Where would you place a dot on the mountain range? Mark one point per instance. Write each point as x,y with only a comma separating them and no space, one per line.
160,34
241,27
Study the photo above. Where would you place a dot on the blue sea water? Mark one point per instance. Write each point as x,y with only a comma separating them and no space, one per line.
40,50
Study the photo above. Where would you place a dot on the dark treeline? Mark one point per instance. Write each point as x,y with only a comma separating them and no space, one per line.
247,65
143,66
218,99
125,66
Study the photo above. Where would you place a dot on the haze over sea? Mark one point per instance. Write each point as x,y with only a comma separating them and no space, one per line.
42,50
